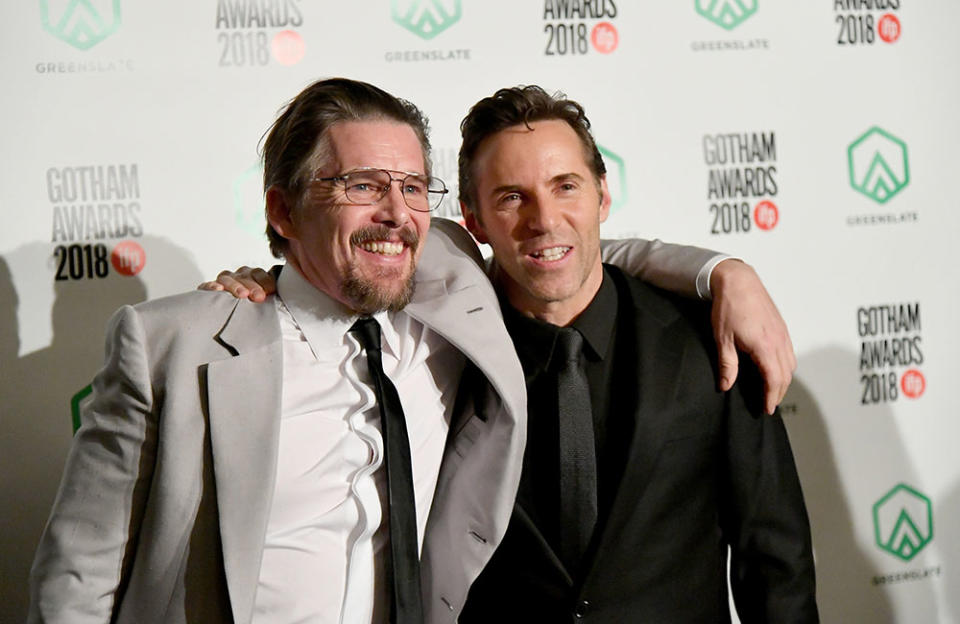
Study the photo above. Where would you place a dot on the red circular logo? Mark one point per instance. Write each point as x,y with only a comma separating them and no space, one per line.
288,47
766,215
913,383
128,258
889,28
605,38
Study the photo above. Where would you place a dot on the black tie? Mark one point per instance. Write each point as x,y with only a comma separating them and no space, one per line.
405,597
578,462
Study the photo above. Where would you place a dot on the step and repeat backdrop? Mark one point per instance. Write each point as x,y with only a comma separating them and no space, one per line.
818,140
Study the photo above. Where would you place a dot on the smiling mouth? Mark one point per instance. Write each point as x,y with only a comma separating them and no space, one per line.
551,254
382,240
385,248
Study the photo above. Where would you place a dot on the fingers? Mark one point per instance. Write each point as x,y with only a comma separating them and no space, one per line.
787,363
787,366
744,314
232,286
244,283
776,366
263,283
773,390
261,277
729,362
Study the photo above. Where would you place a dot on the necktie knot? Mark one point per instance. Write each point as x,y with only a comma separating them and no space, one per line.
569,345
367,331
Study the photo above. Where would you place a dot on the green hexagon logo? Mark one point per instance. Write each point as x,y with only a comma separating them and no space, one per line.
903,522
878,165
81,23
726,13
426,18
75,403
616,179
248,203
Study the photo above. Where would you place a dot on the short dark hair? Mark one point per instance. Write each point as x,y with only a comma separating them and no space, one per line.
513,106
302,129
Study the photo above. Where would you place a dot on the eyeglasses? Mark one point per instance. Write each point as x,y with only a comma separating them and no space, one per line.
367,186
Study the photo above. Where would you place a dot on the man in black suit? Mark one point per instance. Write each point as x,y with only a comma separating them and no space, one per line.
639,474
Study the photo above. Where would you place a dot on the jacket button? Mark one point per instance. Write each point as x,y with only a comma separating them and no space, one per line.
581,609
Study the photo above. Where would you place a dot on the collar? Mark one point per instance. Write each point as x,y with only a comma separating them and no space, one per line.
323,320
535,340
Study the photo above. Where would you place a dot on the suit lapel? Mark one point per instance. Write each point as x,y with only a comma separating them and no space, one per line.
464,319
660,351
523,519
244,406
478,477
454,298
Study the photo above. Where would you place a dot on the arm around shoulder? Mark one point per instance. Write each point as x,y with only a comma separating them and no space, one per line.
744,316
86,547
681,269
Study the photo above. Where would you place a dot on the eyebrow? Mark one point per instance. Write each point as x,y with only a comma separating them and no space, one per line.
567,176
560,177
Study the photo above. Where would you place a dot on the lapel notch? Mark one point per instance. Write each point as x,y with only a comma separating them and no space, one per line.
244,394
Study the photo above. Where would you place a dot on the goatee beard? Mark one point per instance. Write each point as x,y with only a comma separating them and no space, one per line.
367,296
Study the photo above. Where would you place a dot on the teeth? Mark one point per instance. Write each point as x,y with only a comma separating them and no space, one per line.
383,247
552,253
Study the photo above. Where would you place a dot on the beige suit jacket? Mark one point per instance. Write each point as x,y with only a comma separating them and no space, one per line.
163,507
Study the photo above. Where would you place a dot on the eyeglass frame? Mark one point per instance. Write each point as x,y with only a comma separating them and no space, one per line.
386,188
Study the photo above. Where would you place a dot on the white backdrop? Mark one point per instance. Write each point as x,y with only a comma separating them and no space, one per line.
815,139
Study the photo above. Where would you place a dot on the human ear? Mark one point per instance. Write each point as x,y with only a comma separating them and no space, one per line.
473,224
605,199
280,212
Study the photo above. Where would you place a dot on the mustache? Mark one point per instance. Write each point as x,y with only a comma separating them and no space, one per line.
383,233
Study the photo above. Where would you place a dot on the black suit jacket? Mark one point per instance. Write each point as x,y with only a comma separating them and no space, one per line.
704,471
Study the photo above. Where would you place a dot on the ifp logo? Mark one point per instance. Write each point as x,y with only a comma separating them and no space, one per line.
903,522
81,23
878,165
726,13
426,18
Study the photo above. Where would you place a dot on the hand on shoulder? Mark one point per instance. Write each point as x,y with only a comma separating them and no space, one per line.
254,284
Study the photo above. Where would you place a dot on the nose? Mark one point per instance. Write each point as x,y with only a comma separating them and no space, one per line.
542,215
393,210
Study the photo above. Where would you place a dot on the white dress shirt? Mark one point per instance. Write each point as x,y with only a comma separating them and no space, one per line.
322,558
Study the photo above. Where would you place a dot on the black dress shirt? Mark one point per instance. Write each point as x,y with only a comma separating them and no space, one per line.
535,340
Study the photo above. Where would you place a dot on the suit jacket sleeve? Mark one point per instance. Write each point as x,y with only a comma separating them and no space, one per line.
771,567
681,269
87,545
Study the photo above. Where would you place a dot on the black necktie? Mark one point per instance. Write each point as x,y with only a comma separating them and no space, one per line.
578,460
402,510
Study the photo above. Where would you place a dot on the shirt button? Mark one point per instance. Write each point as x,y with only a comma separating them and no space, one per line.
581,609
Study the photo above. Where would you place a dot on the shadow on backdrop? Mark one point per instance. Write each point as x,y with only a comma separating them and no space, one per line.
867,443
948,542
36,425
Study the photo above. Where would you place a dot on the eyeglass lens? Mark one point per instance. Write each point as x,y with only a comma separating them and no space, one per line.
367,187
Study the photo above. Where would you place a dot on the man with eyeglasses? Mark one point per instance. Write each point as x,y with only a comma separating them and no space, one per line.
287,461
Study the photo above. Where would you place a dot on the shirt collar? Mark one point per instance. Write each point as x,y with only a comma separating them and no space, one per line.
323,320
596,323
535,340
